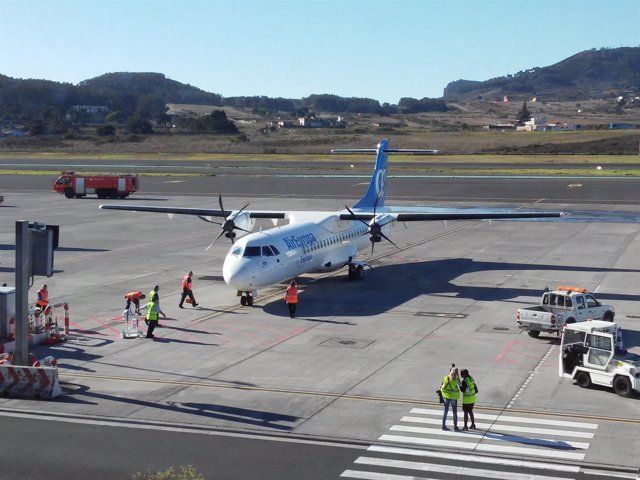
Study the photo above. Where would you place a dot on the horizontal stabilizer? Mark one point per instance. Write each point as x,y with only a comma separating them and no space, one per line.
406,151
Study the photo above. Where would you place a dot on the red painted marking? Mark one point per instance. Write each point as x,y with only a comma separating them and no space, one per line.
105,325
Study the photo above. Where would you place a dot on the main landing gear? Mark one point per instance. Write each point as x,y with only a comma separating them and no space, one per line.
246,299
356,272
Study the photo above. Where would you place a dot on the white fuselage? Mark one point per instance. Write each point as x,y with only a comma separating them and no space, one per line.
266,258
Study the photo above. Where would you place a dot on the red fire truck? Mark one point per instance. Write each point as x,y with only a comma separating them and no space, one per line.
104,186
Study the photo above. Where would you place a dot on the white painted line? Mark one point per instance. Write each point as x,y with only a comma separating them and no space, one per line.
506,428
379,476
436,442
452,469
531,451
602,473
556,444
461,457
483,447
510,418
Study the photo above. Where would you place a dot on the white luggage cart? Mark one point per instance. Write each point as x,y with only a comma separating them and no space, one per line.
131,329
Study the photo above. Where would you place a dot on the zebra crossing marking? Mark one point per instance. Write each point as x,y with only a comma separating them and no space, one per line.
535,437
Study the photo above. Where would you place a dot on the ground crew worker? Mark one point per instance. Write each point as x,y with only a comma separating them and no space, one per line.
152,311
187,290
42,297
135,298
291,298
469,390
450,392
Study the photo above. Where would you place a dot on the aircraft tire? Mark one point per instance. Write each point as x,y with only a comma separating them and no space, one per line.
352,272
243,300
360,272
249,301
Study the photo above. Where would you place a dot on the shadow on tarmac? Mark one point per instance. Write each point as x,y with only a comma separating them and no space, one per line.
333,296
82,394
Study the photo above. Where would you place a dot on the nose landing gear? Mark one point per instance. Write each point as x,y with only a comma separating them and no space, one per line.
246,299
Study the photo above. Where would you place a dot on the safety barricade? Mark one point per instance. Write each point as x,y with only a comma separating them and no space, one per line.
39,380
44,327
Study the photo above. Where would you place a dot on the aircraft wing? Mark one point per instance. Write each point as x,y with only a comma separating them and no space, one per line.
198,212
422,214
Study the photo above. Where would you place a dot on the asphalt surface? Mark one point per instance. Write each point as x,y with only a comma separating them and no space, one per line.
248,392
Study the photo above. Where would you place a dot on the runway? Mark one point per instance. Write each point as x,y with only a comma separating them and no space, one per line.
346,390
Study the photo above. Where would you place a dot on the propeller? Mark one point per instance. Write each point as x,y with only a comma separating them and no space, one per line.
374,229
228,226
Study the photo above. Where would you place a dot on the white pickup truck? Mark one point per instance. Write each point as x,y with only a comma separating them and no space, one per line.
564,305
591,353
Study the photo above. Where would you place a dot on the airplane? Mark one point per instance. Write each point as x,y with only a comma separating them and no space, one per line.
317,241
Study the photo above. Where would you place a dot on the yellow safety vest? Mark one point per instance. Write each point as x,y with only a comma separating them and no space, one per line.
152,311
469,395
449,388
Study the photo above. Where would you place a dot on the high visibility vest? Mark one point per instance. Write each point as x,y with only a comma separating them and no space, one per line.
152,311
291,296
186,284
469,395
42,299
449,388
133,295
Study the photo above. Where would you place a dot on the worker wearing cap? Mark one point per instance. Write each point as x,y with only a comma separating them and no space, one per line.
42,297
187,290
135,298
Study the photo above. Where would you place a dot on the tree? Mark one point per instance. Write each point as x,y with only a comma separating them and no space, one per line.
523,115
105,130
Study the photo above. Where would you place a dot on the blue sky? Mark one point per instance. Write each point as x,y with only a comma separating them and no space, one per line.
384,50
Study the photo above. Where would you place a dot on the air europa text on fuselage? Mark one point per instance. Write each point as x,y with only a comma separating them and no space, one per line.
295,241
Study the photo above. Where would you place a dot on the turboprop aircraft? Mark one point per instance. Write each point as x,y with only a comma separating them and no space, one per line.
317,241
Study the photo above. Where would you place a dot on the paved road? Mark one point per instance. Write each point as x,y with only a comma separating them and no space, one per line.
355,373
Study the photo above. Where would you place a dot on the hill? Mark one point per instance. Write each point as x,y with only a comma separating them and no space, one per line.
592,74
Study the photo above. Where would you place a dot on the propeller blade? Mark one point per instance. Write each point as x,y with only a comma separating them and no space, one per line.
353,215
211,245
388,239
205,219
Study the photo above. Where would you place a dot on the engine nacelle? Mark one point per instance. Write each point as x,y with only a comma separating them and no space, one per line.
242,221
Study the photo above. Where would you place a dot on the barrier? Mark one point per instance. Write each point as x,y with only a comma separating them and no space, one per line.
38,381
42,322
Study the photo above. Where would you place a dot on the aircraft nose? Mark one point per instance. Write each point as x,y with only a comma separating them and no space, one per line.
239,274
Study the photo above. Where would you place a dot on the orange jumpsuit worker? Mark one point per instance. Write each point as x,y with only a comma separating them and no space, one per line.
187,290
291,298
42,299
135,298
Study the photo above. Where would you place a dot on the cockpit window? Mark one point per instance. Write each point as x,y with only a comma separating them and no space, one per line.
275,250
236,251
251,252
266,252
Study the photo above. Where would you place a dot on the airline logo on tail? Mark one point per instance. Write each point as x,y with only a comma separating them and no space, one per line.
374,198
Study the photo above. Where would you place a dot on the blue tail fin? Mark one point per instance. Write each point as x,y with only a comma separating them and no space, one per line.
374,198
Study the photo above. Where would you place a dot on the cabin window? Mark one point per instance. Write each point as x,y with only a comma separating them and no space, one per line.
251,252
